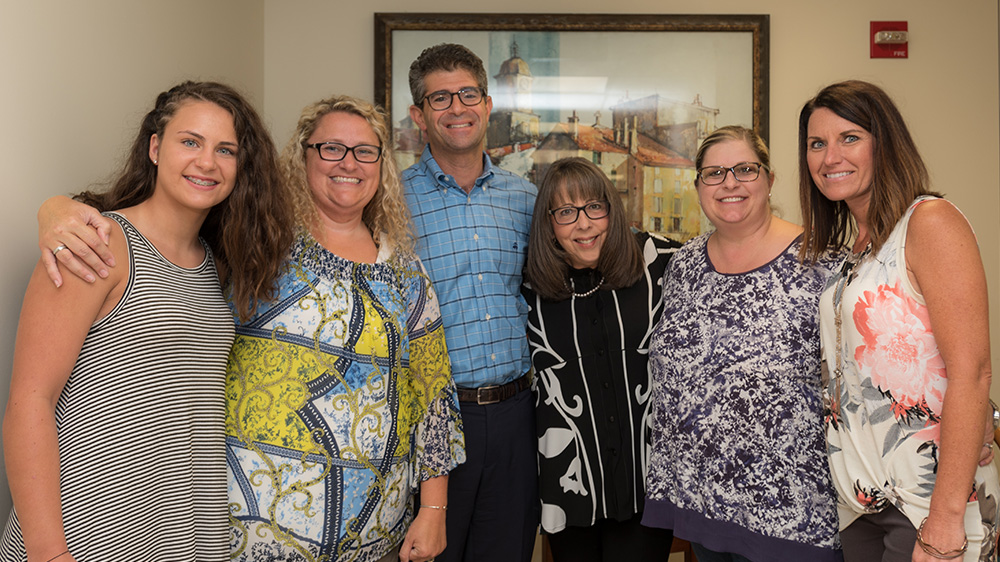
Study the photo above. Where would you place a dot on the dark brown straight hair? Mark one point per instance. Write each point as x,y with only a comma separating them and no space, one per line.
898,173
547,269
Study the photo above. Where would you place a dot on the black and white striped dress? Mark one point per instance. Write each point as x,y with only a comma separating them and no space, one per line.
141,421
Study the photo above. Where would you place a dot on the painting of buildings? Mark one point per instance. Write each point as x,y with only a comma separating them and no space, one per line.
512,121
656,182
645,141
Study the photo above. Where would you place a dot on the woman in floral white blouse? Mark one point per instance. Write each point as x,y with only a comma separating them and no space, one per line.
904,321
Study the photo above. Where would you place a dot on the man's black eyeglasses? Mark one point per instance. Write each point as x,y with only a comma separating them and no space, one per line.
441,100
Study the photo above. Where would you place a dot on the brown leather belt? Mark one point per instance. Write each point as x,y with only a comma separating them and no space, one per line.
493,394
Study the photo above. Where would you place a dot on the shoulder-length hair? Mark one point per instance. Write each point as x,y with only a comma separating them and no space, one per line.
250,232
386,214
547,268
898,173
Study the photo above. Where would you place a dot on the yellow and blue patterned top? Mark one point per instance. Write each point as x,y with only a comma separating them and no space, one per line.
339,402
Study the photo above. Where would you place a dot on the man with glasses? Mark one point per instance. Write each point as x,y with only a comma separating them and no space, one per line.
472,221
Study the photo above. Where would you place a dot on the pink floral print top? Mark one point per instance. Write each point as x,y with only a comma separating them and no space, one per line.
883,418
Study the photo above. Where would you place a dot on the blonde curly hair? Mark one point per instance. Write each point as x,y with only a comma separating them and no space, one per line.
386,215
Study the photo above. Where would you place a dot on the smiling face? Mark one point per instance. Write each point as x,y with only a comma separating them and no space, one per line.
195,156
342,189
839,153
583,239
460,129
734,202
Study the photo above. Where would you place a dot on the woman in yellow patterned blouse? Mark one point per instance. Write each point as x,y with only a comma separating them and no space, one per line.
340,397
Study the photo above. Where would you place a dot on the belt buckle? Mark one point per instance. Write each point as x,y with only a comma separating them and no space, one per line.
479,395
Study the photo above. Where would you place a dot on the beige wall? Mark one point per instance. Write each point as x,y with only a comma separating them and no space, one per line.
947,89
75,78
79,74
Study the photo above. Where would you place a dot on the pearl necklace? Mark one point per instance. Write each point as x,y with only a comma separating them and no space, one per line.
572,289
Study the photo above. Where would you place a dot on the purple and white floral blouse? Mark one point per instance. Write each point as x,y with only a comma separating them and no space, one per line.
739,459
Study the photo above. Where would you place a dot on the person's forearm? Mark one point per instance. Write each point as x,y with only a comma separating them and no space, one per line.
31,453
962,420
426,537
434,492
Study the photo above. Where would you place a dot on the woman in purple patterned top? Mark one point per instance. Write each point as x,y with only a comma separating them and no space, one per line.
738,465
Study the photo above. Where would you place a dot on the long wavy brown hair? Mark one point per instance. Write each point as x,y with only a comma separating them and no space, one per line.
899,177
250,232
386,215
547,268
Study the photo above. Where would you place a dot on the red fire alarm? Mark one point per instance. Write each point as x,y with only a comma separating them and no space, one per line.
889,39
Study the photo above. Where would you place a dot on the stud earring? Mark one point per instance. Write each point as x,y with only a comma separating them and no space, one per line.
154,162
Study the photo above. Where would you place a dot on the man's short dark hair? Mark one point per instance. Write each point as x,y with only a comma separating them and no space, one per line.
447,57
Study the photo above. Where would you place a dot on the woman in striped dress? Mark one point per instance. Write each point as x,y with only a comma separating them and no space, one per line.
114,431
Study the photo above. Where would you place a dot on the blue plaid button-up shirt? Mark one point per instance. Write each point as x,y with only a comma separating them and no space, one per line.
473,247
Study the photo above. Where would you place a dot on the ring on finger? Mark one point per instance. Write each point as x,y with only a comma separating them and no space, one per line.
58,249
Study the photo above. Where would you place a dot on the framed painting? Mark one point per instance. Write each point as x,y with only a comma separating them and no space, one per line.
633,93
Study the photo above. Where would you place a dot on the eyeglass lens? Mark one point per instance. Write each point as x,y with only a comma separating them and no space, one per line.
442,100
335,151
569,214
744,171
